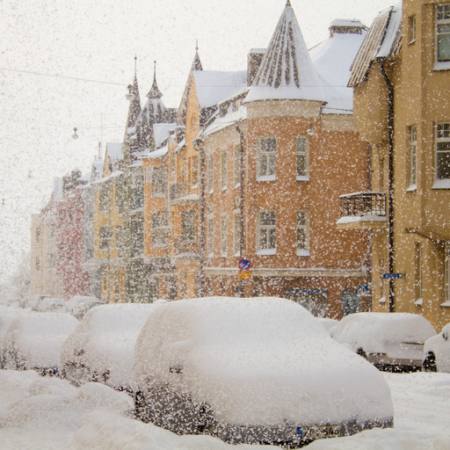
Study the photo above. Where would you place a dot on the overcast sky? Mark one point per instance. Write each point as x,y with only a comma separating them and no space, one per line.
97,40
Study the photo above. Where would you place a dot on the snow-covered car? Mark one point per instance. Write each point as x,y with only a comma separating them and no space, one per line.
328,323
260,370
79,305
436,352
50,304
102,346
388,340
34,341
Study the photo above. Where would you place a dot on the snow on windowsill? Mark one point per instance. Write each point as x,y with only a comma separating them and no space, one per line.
441,65
303,253
446,304
382,301
411,188
366,218
266,252
419,302
302,177
442,184
266,178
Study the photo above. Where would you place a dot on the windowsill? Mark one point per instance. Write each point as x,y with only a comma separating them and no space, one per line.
211,192
266,252
237,185
446,304
224,189
303,253
442,184
419,302
266,178
158,195
382,301
302,177
441,65
411,188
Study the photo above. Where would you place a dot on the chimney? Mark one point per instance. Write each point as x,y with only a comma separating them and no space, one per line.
254,59
346,26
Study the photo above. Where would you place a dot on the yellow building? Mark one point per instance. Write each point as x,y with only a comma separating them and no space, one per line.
401,81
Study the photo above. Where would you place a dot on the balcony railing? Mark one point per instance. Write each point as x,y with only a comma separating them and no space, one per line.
361,204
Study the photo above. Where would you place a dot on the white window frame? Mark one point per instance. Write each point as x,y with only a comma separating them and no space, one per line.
237,232
302,151
447,274
223,235
412,29
302,248
209,171
210,236
269,157
237,166
268,232
442,136
418,275
441,64
412,152
223,170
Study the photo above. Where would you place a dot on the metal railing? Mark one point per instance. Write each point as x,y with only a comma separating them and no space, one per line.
363,204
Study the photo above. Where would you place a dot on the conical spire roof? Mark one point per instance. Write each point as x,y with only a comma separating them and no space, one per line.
134,108
154,92
196,63
287,71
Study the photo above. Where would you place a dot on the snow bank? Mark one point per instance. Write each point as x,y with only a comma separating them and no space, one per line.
103,344
79,305
34,339
382,332
7,316
262,361
50,304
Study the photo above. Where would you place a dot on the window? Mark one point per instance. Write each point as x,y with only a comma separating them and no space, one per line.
223,236
447,272
411,29
38,234
302,159
120,197
443,32
137,234
302,234
209,171
266,233
266,159
137,191
412,144
104,198
237,166
237,233
188,226
105,237
194,170
210,235
223,169
159,181
160,228
443,151
121,240
418,291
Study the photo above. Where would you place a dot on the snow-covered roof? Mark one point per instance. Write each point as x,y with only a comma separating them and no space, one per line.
286,70
161,132
115,151
382,40
213,86
57,192
346,23
220,122
333,59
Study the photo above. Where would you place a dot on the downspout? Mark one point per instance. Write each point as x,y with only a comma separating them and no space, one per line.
390,149
241,199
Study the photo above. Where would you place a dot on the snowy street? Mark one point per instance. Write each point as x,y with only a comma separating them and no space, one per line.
49,413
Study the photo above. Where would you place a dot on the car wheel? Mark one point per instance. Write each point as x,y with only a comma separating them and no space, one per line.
361,352
429,363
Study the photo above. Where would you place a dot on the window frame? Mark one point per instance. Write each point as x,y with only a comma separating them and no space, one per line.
305,227
441,182
412,157
186,237
438,22
267,229
160,229
159,181
223,170
260,153
223,236
412,29
305,154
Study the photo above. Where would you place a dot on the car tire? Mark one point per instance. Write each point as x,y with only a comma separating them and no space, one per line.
361,352
429,363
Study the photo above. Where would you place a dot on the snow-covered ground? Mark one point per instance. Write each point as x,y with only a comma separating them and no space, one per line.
49,413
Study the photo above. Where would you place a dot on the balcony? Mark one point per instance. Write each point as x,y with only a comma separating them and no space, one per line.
362,210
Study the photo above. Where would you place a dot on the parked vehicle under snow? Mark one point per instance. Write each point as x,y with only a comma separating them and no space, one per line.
34,341
102,346
388,340
260,370
436,352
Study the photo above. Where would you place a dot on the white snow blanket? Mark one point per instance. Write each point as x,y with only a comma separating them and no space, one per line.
260,361
104,344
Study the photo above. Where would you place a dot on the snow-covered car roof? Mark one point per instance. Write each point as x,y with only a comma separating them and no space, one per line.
36,338
258,361
370,329
50,304
105,340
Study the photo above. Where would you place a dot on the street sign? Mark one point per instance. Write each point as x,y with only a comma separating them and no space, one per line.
393,276
244,264
245,275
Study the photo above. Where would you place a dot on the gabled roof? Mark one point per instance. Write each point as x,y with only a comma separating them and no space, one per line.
287,71
382,41
213,86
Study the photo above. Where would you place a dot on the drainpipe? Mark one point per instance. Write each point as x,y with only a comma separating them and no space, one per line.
241,199
199,145
390,148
